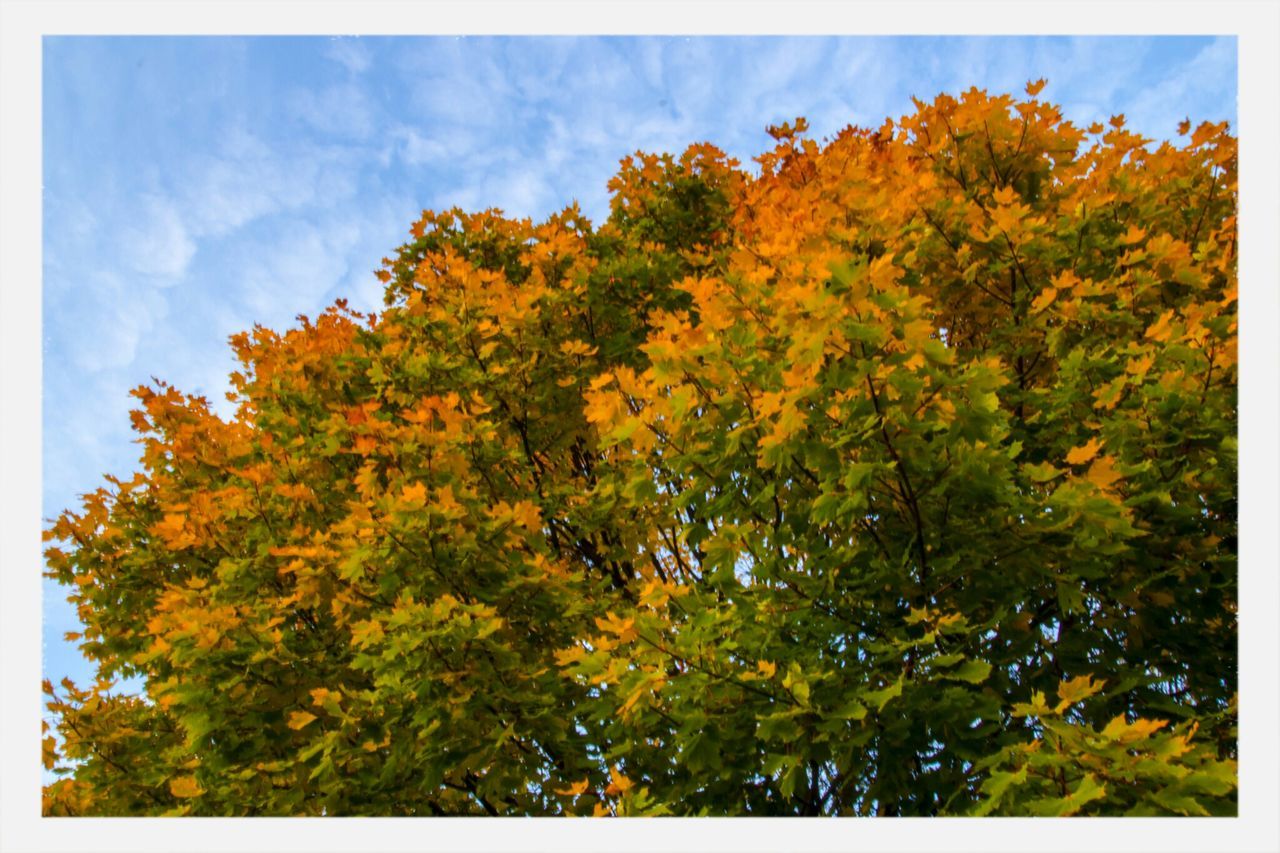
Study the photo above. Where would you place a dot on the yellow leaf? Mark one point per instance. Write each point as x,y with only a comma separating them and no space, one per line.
1159,331
527,515
636,695
1075,690
300,719
766,668
1082,454
654,594
574,790
414,496
1103,474
185,787
624,628
1140,366
572,348
1034,86
1042,301
1133,235
619,784
1119,729
601,381
573,654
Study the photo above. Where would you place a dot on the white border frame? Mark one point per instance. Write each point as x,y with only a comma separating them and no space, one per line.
24,22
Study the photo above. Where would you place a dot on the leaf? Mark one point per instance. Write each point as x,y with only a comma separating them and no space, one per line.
1086,791
527,515
300,719
1103,474
1133,235
185,787
1183,804
1077,690
1043,301
994,788
1085,452
1043,472
880,698
1120,729
1005,195
575,789
972,671
413,496
619,784
1161,329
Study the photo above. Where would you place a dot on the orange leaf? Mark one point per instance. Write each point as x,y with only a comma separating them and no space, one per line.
527,515
619,784
574,790
1159,330
1133,235
1103,474
1005,195
1082,454
414,496
1042,301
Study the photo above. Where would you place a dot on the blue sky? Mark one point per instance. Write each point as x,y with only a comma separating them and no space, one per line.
196,186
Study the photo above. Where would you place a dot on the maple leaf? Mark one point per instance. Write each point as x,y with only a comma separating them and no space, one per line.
1076,690
618,783
300,719
1043,301
413,496
185,787
527,515
575,789
1103,474
1083,453
1161,329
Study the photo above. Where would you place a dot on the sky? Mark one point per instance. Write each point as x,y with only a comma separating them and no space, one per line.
196,186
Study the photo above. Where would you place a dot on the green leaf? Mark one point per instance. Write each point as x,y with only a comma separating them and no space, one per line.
880,698
973,671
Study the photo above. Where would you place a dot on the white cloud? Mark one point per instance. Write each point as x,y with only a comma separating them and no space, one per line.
1190,92
350,52
345,112
244,180
155,241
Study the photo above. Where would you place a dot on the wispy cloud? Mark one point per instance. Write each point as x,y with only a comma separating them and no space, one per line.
154,241
352,53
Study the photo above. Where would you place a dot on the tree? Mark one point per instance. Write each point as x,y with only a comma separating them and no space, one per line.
897,479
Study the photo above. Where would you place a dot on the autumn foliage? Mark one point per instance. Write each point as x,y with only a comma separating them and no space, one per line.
895,477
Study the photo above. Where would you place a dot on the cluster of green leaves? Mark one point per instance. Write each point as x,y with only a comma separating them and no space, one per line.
780,493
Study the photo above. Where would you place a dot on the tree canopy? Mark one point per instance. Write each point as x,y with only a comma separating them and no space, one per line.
894,477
